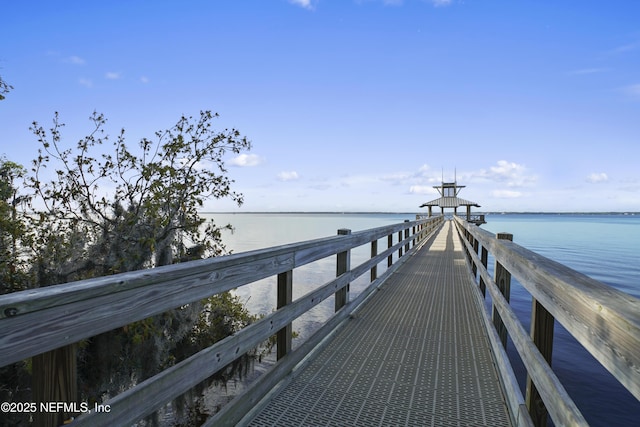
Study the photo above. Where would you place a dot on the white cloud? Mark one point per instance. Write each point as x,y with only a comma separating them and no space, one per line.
307,4
144,79
75,60
441,3
397,177
384,2
511,173
321,187
424,168
86,82
288,176
633,90
422,189
596,178
246,160
588,71
112,75
506,194
627,48
358,180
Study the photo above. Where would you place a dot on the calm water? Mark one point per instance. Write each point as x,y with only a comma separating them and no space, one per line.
604,247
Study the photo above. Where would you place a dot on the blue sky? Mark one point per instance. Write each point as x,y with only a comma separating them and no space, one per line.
352,105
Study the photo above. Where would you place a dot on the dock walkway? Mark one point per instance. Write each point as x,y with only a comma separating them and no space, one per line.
416,354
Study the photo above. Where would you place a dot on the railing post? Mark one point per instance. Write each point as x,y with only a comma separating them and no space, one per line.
484,259
374,252
475,250
389,244
343,264
469,239
406,236
285,296
542,336
415,236
400,240
55,380
503,280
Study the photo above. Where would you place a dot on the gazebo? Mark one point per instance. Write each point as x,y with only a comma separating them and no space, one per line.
449,200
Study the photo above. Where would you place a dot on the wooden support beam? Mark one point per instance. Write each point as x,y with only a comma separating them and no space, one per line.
484,259
343,264
406,236
503,280
374,252
475,249
542,335
54,380
285,296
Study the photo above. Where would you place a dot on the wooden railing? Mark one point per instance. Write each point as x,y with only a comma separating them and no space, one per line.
39,320
604,320
476,218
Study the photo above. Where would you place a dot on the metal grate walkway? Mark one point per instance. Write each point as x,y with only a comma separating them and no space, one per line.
415,355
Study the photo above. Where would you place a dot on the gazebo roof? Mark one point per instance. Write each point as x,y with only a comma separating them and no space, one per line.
450,202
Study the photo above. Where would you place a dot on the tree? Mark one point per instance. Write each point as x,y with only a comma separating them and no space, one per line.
14,378
12,229
4,88
105,213
150,217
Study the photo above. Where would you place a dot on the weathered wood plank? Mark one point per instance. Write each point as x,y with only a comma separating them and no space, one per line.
604,320
560,405
36,321
150,395
153,393
32,333
243,404
515,400
47,318
19,303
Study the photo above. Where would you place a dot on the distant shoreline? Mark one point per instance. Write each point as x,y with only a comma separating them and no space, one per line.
415,213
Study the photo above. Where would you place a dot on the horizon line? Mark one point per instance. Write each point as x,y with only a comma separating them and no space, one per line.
418,213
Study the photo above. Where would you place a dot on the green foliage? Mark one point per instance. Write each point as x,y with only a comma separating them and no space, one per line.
150,216
102,208
12,229
15,378
222,315
4,88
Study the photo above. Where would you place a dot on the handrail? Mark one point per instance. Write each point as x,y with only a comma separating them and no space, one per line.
39,320
604,320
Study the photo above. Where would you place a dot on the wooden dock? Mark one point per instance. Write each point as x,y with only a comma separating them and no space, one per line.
415,347
416,354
